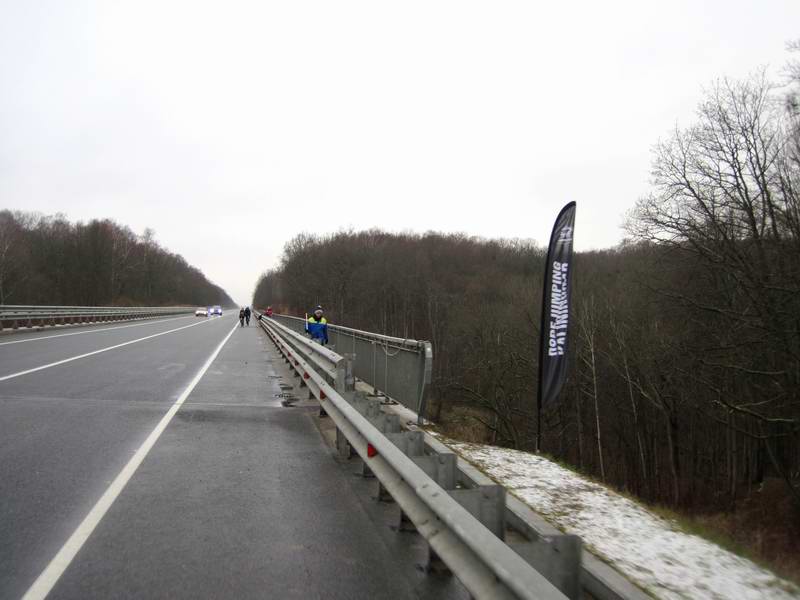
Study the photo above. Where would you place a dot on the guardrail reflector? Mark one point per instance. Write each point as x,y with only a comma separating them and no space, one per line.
371,451
305,375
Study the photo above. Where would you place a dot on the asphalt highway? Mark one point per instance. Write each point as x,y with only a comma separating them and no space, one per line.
157,461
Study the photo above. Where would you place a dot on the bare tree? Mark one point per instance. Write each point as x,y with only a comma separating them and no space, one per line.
12,267
587,335
722,196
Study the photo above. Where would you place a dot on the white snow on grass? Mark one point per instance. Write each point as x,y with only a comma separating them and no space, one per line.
650,550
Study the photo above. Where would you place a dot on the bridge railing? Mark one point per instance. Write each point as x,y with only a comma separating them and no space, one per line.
328,363
478,550
464,528
398,368
28,316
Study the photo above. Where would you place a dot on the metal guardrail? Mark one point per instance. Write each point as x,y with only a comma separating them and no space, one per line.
598,580
399,368
29,316
464,528
552,553
328,362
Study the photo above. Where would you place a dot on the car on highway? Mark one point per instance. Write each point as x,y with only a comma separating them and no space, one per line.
216,310
201,312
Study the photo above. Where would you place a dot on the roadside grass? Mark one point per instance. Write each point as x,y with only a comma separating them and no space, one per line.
701,527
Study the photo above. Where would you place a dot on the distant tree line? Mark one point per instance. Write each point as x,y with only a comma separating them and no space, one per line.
48,260
685,382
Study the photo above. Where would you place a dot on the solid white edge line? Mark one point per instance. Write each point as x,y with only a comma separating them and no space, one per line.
49,337
48,578
66,360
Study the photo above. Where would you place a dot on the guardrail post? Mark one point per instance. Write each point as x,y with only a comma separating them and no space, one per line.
375,391
349,379
339,380
410,443
425,381
373,408
442,468
391,424
558,558
360,402
342,445
386,371
379,421
487,503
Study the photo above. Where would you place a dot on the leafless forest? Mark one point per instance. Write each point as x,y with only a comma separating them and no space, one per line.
47,260
685,384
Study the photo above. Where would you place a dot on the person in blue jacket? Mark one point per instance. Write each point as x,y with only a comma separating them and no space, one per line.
317,327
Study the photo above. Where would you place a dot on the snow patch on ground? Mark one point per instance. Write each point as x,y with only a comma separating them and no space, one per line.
649,549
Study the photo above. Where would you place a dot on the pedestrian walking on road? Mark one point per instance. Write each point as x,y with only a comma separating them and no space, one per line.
247,315
241,317
317,327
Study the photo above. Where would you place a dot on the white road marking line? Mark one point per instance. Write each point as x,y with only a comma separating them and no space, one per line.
233,404
66,360
48,578
48,337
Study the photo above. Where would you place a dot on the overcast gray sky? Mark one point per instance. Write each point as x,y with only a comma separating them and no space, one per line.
229,127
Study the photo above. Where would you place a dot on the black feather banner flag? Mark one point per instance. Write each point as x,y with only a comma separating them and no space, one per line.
555,313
